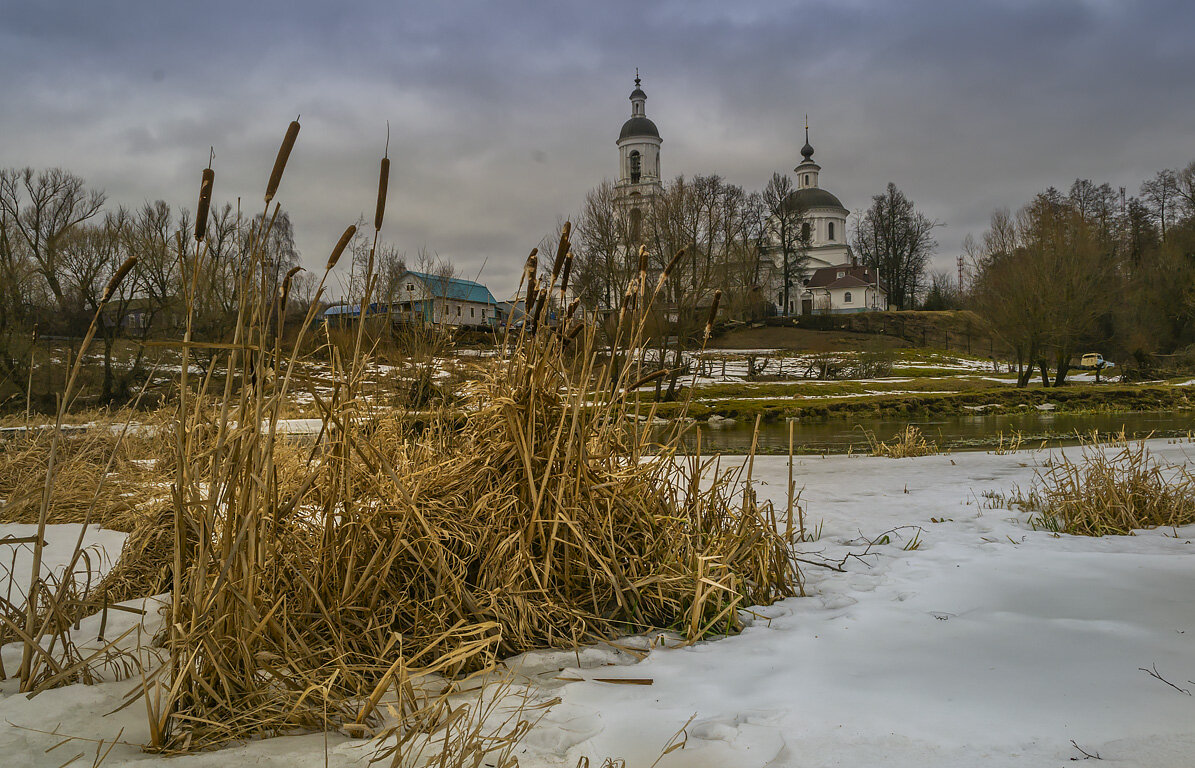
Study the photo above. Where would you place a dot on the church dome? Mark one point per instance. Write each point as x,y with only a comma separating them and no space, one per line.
638,126
813,197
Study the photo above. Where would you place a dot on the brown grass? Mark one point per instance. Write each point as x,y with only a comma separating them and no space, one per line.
98,471
907,443
1115,488
316,586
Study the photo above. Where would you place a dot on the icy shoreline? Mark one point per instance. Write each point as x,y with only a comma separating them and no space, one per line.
989,644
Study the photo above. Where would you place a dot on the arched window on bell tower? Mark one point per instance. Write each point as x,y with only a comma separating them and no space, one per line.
636,166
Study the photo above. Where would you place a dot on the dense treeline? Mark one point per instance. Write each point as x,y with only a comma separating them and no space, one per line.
1092,270
59,248
751,245
720,227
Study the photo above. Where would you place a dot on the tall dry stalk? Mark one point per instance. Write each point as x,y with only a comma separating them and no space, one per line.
318,586
31,653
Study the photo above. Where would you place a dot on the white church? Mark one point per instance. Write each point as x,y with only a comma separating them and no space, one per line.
831,282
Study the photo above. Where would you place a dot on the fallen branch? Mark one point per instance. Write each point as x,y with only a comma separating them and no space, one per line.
1154,673
1086,755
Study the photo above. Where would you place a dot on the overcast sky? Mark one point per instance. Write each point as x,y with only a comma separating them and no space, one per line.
503,114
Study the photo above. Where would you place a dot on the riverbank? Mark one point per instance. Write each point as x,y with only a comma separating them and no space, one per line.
1075,398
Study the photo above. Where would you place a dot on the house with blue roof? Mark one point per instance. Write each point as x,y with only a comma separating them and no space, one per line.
430,299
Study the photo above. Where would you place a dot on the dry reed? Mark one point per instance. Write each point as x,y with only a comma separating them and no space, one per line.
1115,488
315,587
908,442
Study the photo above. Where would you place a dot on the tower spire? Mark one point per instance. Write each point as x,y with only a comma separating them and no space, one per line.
807,150
637,80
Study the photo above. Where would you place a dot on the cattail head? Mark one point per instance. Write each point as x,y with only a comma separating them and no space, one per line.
673,262
572,332
532,265
284,290
341,244
205,203
568,266
288,143
572,309
117,278
383,182
628,298
643,259
541,300
668,269
709,323
649,378
561,249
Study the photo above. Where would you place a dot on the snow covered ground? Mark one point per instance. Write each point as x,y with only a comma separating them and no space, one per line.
989,644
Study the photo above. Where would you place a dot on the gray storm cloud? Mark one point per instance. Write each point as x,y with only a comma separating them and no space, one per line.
502,115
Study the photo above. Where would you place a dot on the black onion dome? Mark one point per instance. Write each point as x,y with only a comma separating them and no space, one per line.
807,150
813,197
638,126
638,94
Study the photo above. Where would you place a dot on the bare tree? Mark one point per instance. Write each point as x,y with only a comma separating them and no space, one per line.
1044,292
89,256
788,233
602,246
18,300
1008,294
277,248
896,240
41,209
1161,195
1185,187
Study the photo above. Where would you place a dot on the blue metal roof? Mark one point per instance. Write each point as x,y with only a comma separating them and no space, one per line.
454,288
354,310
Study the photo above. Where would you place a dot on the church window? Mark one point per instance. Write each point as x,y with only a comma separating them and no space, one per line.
636,222
410,287
831,230
846,299
472,312
805,231
636,166
807,179
458,310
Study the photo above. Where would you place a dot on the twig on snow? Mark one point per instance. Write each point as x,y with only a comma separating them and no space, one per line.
1154,673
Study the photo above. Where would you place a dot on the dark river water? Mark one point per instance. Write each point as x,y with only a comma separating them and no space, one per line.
949,432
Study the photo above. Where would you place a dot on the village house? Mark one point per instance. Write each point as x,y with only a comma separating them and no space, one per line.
430,299
843,289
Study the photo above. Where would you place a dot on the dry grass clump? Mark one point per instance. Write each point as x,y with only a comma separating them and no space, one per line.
101,476
1115,488
533,523
314,589
316,586
908,442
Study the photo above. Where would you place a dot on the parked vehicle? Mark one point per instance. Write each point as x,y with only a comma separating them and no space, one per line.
1094,361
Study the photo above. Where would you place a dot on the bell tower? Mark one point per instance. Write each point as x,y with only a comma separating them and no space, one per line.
638,150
